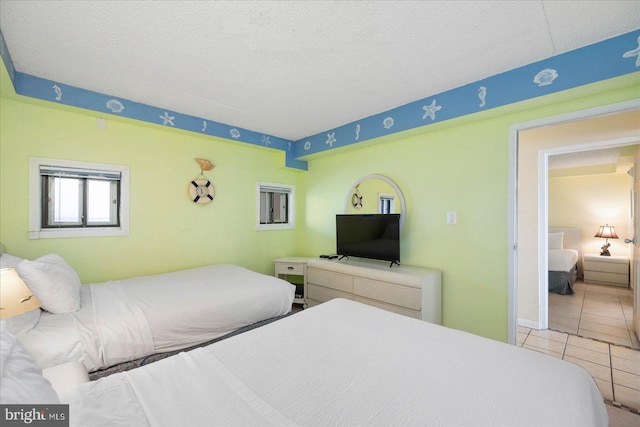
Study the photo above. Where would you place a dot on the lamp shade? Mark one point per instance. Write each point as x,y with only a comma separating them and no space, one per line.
15,297
607,232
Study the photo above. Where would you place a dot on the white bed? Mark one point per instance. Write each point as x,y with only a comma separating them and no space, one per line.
346,363
120,321
564,259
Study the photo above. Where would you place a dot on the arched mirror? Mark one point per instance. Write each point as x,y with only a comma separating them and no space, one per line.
375,194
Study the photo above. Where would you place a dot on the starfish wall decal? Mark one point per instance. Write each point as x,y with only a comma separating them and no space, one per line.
430,110
167,119
331,138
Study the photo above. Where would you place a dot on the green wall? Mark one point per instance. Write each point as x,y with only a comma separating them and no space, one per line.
167,230
461,166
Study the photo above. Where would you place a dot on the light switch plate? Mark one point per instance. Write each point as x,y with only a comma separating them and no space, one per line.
452,218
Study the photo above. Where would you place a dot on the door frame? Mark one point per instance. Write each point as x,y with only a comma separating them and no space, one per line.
512,201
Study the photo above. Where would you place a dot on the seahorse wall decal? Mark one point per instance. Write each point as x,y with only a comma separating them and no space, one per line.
634,52
482,94
58,92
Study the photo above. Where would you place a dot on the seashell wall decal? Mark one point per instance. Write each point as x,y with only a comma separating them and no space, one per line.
115,106
545,77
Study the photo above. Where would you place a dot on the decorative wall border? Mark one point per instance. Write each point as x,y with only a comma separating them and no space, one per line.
603,60
610,58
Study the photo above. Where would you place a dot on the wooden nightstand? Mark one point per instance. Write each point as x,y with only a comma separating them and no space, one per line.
606,270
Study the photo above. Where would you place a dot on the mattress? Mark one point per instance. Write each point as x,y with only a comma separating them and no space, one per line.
124,320
346,363
562,259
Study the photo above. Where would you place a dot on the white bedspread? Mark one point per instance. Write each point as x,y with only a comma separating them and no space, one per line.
127,319
562,259
345,363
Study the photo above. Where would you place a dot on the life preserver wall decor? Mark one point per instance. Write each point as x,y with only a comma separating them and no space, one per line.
356,199
201,190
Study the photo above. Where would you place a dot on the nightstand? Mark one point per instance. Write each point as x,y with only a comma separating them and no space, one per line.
606,270
296,267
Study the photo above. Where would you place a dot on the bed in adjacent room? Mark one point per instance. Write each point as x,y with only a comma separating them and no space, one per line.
121,324
564,259
345,363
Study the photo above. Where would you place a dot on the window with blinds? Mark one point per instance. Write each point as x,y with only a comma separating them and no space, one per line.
74,197
275,206
83,199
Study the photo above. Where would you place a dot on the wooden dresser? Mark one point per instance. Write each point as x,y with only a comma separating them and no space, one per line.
411,291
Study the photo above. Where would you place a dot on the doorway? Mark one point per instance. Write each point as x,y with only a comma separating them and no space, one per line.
528,216
587,190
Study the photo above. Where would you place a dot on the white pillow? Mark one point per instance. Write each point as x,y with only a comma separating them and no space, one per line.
53,281
555,240
23,323
21,381
9,261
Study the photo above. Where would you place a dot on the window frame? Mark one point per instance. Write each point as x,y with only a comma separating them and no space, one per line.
286,188
37,204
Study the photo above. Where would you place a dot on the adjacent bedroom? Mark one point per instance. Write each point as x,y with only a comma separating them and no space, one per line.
590,193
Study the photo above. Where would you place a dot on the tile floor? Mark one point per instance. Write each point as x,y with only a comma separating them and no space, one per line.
593,329
615,369
595,311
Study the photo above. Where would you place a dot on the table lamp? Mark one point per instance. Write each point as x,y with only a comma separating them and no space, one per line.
606,232
15,297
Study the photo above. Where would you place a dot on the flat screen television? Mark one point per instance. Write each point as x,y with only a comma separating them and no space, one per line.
373,236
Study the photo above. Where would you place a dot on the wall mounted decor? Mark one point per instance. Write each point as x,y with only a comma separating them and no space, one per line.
201,190
356,199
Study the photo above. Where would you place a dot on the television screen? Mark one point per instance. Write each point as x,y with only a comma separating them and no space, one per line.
374,236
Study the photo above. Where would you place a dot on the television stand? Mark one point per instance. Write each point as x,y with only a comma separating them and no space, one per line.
411,291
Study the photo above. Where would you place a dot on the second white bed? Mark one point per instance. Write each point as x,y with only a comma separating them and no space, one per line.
345,363
123,320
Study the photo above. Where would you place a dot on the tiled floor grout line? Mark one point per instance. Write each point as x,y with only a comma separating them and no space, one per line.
613,388
584,297
592,339
626,322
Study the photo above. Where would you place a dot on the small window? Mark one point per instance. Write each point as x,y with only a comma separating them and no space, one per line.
387,203
77,199
275,206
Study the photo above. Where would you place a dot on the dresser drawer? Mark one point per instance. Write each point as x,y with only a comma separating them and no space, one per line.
289,268
607,267
389,307
603,277
331,280
403,296
323,294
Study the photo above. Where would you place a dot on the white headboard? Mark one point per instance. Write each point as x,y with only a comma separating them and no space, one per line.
572,240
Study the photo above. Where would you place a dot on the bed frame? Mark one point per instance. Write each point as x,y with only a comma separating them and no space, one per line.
572,240
561,282
125,366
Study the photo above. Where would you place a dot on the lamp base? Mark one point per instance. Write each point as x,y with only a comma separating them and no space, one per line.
605,250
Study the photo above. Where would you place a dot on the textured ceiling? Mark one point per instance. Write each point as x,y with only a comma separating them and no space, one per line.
294,69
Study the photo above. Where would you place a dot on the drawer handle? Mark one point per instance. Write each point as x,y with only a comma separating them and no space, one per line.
290,268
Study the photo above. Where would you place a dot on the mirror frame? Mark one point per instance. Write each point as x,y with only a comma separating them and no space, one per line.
403,207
